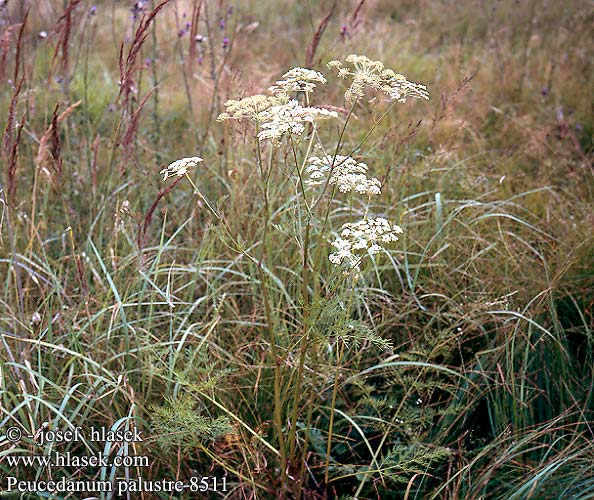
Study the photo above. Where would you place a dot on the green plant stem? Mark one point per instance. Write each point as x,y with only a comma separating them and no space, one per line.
272,338
304,345
332,406
338,144
264,175
278,403
305,293
300,176
340,353
278,421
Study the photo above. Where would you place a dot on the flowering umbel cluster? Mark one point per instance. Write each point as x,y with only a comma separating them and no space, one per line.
180,167
358,238
373,75
248,107
289,118
278,114
281,114
345,173
297,80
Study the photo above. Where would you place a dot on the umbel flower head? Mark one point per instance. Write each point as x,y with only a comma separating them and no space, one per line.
297,80
373,75
346,174
289,118
248,107
180,167
294,80
358,238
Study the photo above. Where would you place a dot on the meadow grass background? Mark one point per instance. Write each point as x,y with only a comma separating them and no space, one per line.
471,374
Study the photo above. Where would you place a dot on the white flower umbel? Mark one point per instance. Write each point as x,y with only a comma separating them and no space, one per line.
367,236
373,75
289,118
344,254
248,107
346,174
298,80
180,167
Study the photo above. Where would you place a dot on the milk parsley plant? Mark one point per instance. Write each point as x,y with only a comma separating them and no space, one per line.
301,143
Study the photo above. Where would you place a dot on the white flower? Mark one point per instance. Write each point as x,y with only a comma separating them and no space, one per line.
343,248
358,238
344,254
298,80
289,118
248,107
346,174
180,167
368,74
374,249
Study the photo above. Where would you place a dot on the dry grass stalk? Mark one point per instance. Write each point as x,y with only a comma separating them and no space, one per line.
49,150
127,63
311,48
12,165
354,22
143,226
94,163
10,144
64,29
130,134
193,32
19,48
5,47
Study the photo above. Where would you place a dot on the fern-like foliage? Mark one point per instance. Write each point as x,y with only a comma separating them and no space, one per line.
197,372
332,323
177,424
402,461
